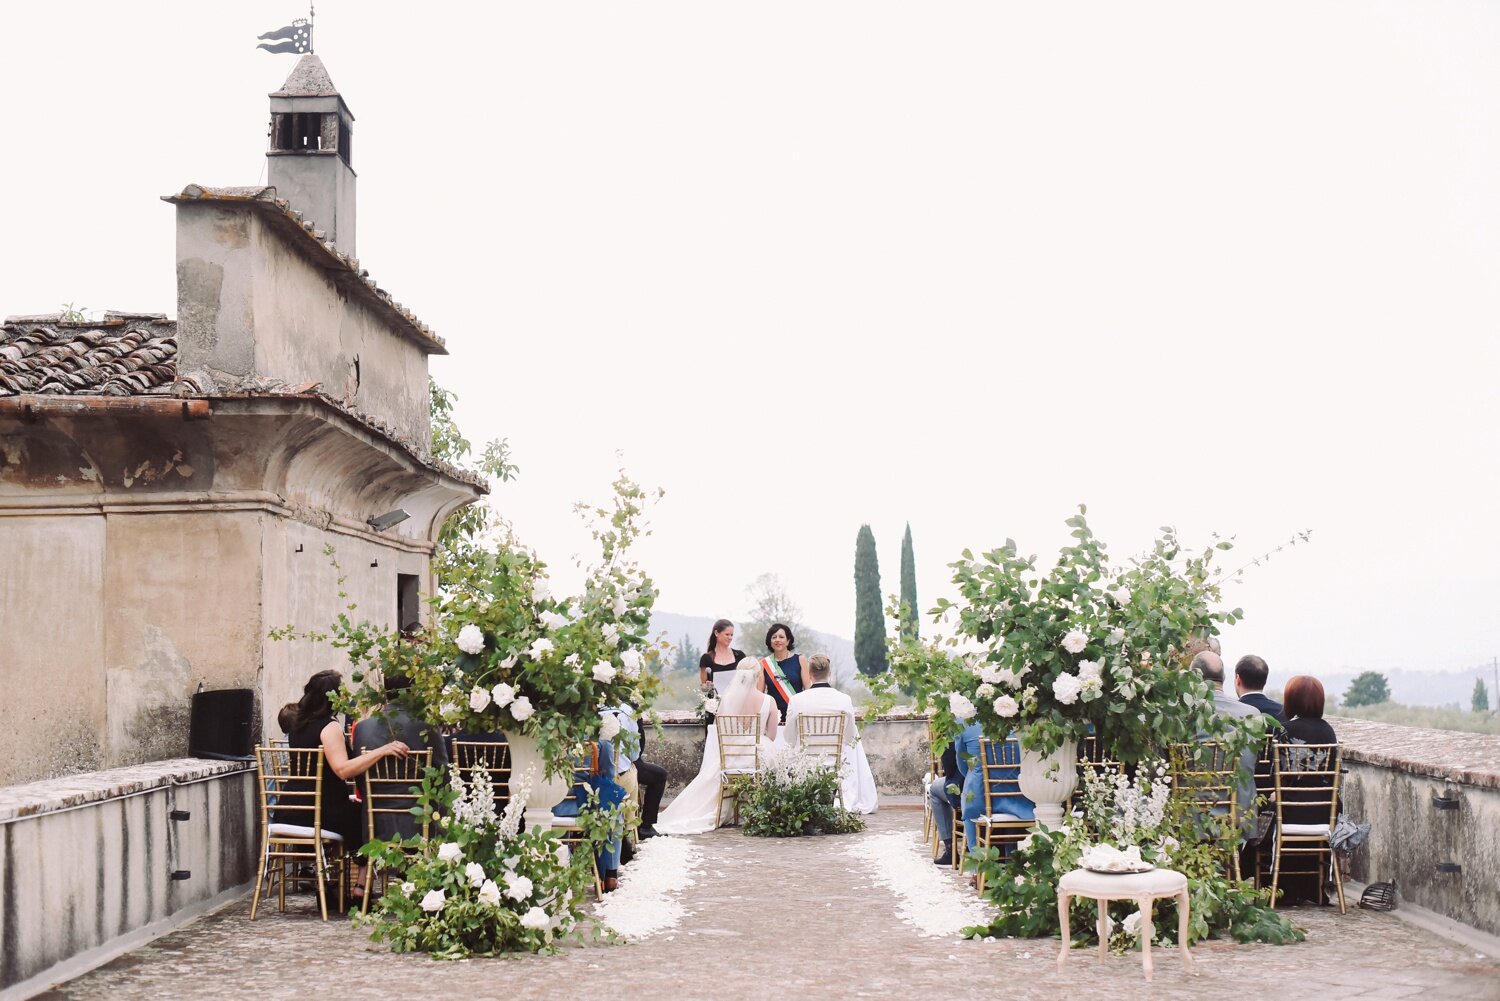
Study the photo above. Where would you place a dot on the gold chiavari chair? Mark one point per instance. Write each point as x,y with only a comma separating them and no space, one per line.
1265,805
276,743
934,772
1001,761
493,758
739,754
822,735
1093,758
290,782
1209,774
1305,779
389,794
573,834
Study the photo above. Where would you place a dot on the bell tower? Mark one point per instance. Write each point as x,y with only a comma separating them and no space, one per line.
311,162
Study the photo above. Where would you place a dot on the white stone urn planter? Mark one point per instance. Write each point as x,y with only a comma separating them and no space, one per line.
1048,781
527,763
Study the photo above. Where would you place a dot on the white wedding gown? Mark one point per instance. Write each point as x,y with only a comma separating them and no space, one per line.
858,781
692,812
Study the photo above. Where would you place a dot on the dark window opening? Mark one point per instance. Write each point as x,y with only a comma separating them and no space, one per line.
298,131
408,601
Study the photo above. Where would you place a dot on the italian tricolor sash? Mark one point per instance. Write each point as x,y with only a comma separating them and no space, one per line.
776,678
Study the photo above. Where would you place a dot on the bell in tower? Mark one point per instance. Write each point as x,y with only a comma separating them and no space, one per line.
310,165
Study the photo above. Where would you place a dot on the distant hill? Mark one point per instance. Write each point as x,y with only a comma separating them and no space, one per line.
1416,688
698,627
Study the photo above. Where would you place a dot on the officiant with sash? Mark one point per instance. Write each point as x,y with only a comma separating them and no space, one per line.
786,672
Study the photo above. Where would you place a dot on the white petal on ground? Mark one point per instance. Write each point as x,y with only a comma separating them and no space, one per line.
649,898
930,898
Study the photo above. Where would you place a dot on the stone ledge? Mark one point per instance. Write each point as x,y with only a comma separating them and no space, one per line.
34,799
1466,758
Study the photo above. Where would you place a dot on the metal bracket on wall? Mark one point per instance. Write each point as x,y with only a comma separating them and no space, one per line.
1446,801
180,815
182,874
1446,867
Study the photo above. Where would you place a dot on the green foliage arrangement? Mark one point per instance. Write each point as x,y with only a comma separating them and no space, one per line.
480,886
869,617
1368,688
1087,644
910,626
793,796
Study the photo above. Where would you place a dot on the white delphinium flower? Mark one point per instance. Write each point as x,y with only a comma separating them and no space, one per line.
960,706
985,691
630,661
1116,636
475,873
1006,707
609,727
510,820
535,919
478,699
489,893
1065,688
1075,641
540,648
1089,669
517,887
502,694
551,620
521,709
434,901
604,672
471,639
449,851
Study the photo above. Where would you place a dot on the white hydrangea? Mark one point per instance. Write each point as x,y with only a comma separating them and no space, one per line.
1075,641
960,706
604,672
471,639
1065,688
541,648
521,709
502,694
434,901
535,919
1006,707
479,698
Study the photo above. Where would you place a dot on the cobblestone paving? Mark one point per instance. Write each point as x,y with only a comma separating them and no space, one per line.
785,919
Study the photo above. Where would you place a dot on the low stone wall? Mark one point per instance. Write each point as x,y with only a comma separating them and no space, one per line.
96,862
1399,779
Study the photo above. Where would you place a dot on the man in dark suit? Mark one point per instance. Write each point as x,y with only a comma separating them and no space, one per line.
1250,676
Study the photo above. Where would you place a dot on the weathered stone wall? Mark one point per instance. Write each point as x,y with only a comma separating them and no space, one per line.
89,860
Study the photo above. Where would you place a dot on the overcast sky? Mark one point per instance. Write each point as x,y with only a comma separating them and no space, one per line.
806,265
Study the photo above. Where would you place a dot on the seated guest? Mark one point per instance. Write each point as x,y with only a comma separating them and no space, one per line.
973,783
394,721
1250,676
1306,725
635,773
596,772
287,717
1211,667
945,805
316,726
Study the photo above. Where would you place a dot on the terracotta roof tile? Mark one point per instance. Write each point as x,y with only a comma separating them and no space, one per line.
118,357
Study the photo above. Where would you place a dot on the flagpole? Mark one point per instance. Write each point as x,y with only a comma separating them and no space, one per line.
312,14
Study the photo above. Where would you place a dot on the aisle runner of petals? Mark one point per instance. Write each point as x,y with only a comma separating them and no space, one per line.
932,899
647,901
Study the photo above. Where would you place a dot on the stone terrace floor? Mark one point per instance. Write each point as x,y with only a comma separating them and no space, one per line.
759,905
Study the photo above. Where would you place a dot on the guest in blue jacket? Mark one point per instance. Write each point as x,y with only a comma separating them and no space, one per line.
973,781
598,776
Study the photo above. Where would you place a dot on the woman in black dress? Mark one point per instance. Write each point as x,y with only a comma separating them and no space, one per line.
721,658
316,726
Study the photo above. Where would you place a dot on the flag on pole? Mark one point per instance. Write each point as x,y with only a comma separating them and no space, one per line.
295,37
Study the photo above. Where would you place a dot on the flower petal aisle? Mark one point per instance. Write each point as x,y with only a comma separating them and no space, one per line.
929,898
647,901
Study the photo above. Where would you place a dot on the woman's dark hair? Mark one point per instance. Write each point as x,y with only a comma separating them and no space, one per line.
314,704
791,641
719,627
1303,697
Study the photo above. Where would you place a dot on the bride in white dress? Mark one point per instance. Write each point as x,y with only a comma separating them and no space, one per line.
693,811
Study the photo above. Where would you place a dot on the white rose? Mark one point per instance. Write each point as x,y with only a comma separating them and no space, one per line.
448,710
475,872
609,727
502,694
1116,636
572,660
991,675
611,633
408,888
1132,924
434,901
521,709
1089,669
449,851
563,854
1091,689
535,919
1006,707
517,887
540,591
478,699
471,639
711,705
960,707
604,672
631,661
551,620
1075,641
540,648
489,893
619,606
509,662
1066,688
985,691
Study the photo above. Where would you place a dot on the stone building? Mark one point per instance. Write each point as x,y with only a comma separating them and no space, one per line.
169,491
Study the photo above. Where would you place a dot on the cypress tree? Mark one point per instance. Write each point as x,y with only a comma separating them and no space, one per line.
908,587
869,617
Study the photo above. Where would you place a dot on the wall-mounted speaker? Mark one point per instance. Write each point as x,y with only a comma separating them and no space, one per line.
221,725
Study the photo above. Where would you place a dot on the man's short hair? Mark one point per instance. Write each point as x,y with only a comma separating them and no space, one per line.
1252,672
819,666
1210,666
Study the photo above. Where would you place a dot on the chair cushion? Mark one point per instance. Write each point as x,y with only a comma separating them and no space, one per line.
1306,830
1000,818
294,831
